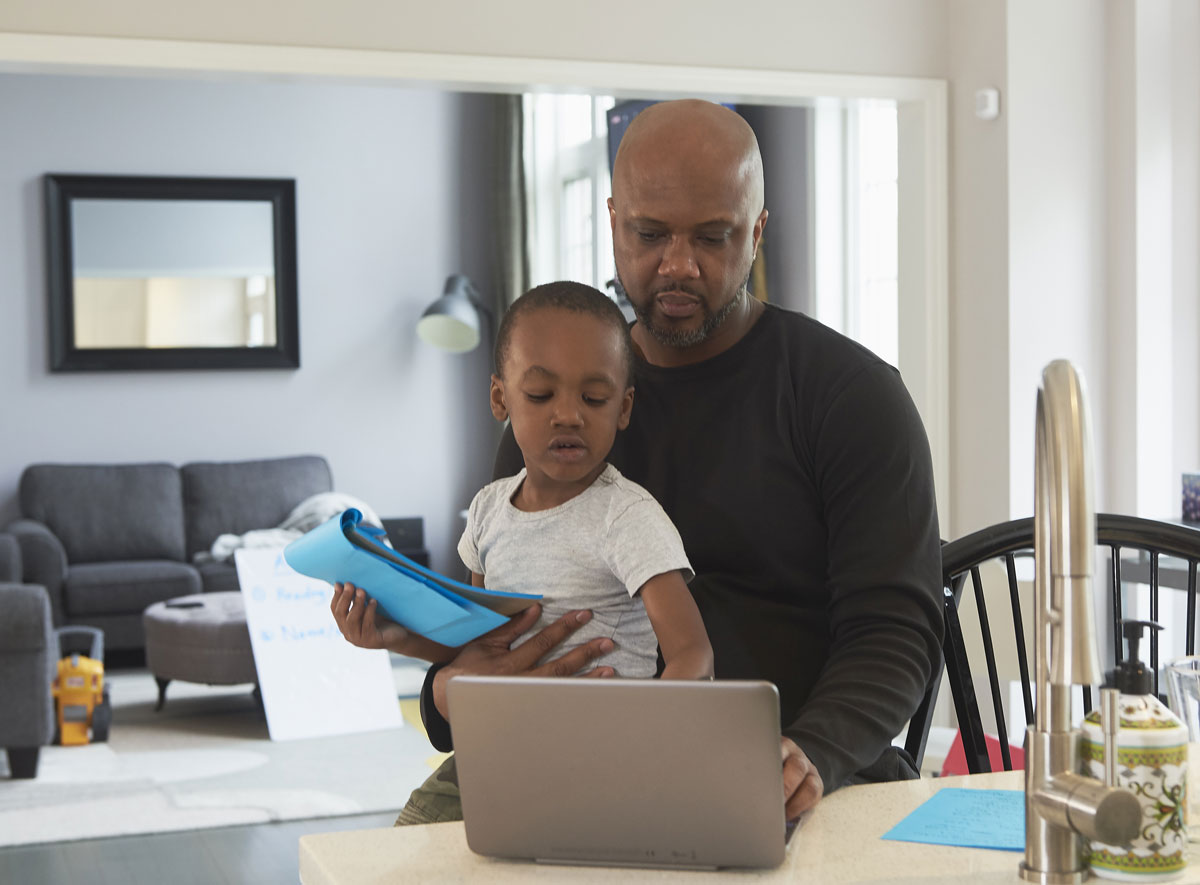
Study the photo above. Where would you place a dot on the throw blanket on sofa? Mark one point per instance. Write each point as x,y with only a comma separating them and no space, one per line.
305,516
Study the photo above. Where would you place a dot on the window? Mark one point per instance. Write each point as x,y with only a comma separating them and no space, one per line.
566,168
855,208
855,220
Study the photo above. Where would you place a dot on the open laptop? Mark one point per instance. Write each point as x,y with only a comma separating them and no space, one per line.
620,772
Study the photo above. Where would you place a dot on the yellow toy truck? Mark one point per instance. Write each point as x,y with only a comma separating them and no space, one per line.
84,710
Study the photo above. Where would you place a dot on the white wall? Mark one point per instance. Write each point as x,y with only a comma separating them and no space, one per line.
1140,241
979,271
1056,205
1102,195
1073,225
1185,208
899,37
1158,491
389,184
783,138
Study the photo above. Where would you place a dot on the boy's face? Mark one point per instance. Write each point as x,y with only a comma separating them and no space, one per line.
565,391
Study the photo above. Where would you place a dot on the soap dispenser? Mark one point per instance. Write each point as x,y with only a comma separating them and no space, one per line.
1152,751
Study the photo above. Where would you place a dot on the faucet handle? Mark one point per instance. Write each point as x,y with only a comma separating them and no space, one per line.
1113,815
1097,812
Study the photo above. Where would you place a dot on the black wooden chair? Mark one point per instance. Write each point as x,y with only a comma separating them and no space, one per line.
963,558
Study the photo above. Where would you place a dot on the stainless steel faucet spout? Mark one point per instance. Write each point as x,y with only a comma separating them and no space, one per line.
1061,805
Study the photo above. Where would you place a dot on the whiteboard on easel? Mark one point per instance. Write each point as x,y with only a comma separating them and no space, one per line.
313,682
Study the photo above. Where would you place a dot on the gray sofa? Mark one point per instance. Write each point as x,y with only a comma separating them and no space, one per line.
108,540
28,662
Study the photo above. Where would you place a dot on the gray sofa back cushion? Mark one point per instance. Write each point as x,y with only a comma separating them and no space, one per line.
108,512
235,497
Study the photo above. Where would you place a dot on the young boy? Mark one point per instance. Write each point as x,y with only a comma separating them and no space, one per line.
569,526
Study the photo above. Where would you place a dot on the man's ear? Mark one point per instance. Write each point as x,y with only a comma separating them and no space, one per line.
612,215
757,233
499,406
626,409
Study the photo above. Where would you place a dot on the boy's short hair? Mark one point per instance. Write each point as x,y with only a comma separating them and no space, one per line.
565,295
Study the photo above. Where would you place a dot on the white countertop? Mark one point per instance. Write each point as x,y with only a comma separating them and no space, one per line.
838,843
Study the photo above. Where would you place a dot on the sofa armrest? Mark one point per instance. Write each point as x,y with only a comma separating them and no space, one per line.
25,625
28,664
10,559
44,561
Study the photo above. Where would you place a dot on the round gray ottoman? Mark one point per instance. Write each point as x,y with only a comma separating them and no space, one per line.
199,638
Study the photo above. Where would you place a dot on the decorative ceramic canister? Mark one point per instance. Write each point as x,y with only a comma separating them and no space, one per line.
1152,753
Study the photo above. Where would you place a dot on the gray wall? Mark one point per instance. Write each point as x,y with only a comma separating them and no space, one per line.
390,184
783,137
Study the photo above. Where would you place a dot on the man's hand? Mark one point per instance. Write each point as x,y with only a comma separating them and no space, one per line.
802,786
493,655
360,622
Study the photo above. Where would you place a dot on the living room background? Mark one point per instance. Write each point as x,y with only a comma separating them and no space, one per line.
389,184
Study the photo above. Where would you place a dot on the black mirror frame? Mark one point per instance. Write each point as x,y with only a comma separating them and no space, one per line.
61,189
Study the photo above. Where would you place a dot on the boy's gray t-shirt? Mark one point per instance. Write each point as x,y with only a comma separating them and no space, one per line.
593,552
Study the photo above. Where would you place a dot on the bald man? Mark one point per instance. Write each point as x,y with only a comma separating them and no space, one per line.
791,459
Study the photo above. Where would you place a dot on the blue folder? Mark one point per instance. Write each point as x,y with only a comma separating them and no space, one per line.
437,607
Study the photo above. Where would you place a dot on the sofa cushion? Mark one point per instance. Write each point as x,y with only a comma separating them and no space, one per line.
218,577
121,632
109,588
237,496
108,512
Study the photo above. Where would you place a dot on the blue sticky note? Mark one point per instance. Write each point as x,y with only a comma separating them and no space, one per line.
968,819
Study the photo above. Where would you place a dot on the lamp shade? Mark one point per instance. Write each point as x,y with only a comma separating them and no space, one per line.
454,321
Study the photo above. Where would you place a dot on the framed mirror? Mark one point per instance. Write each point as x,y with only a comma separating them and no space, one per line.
171,273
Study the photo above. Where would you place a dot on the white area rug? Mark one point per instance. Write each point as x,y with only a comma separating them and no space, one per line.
204,761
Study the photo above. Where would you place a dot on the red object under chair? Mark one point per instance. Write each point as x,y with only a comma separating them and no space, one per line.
956,759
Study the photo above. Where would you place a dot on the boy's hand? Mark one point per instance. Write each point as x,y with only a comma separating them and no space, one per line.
361,623
493,655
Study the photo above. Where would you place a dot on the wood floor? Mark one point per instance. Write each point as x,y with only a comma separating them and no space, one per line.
260,854
263,853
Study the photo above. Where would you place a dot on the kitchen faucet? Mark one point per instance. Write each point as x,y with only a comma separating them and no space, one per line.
1062,806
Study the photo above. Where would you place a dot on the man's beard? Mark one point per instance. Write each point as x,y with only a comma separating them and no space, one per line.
682,338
